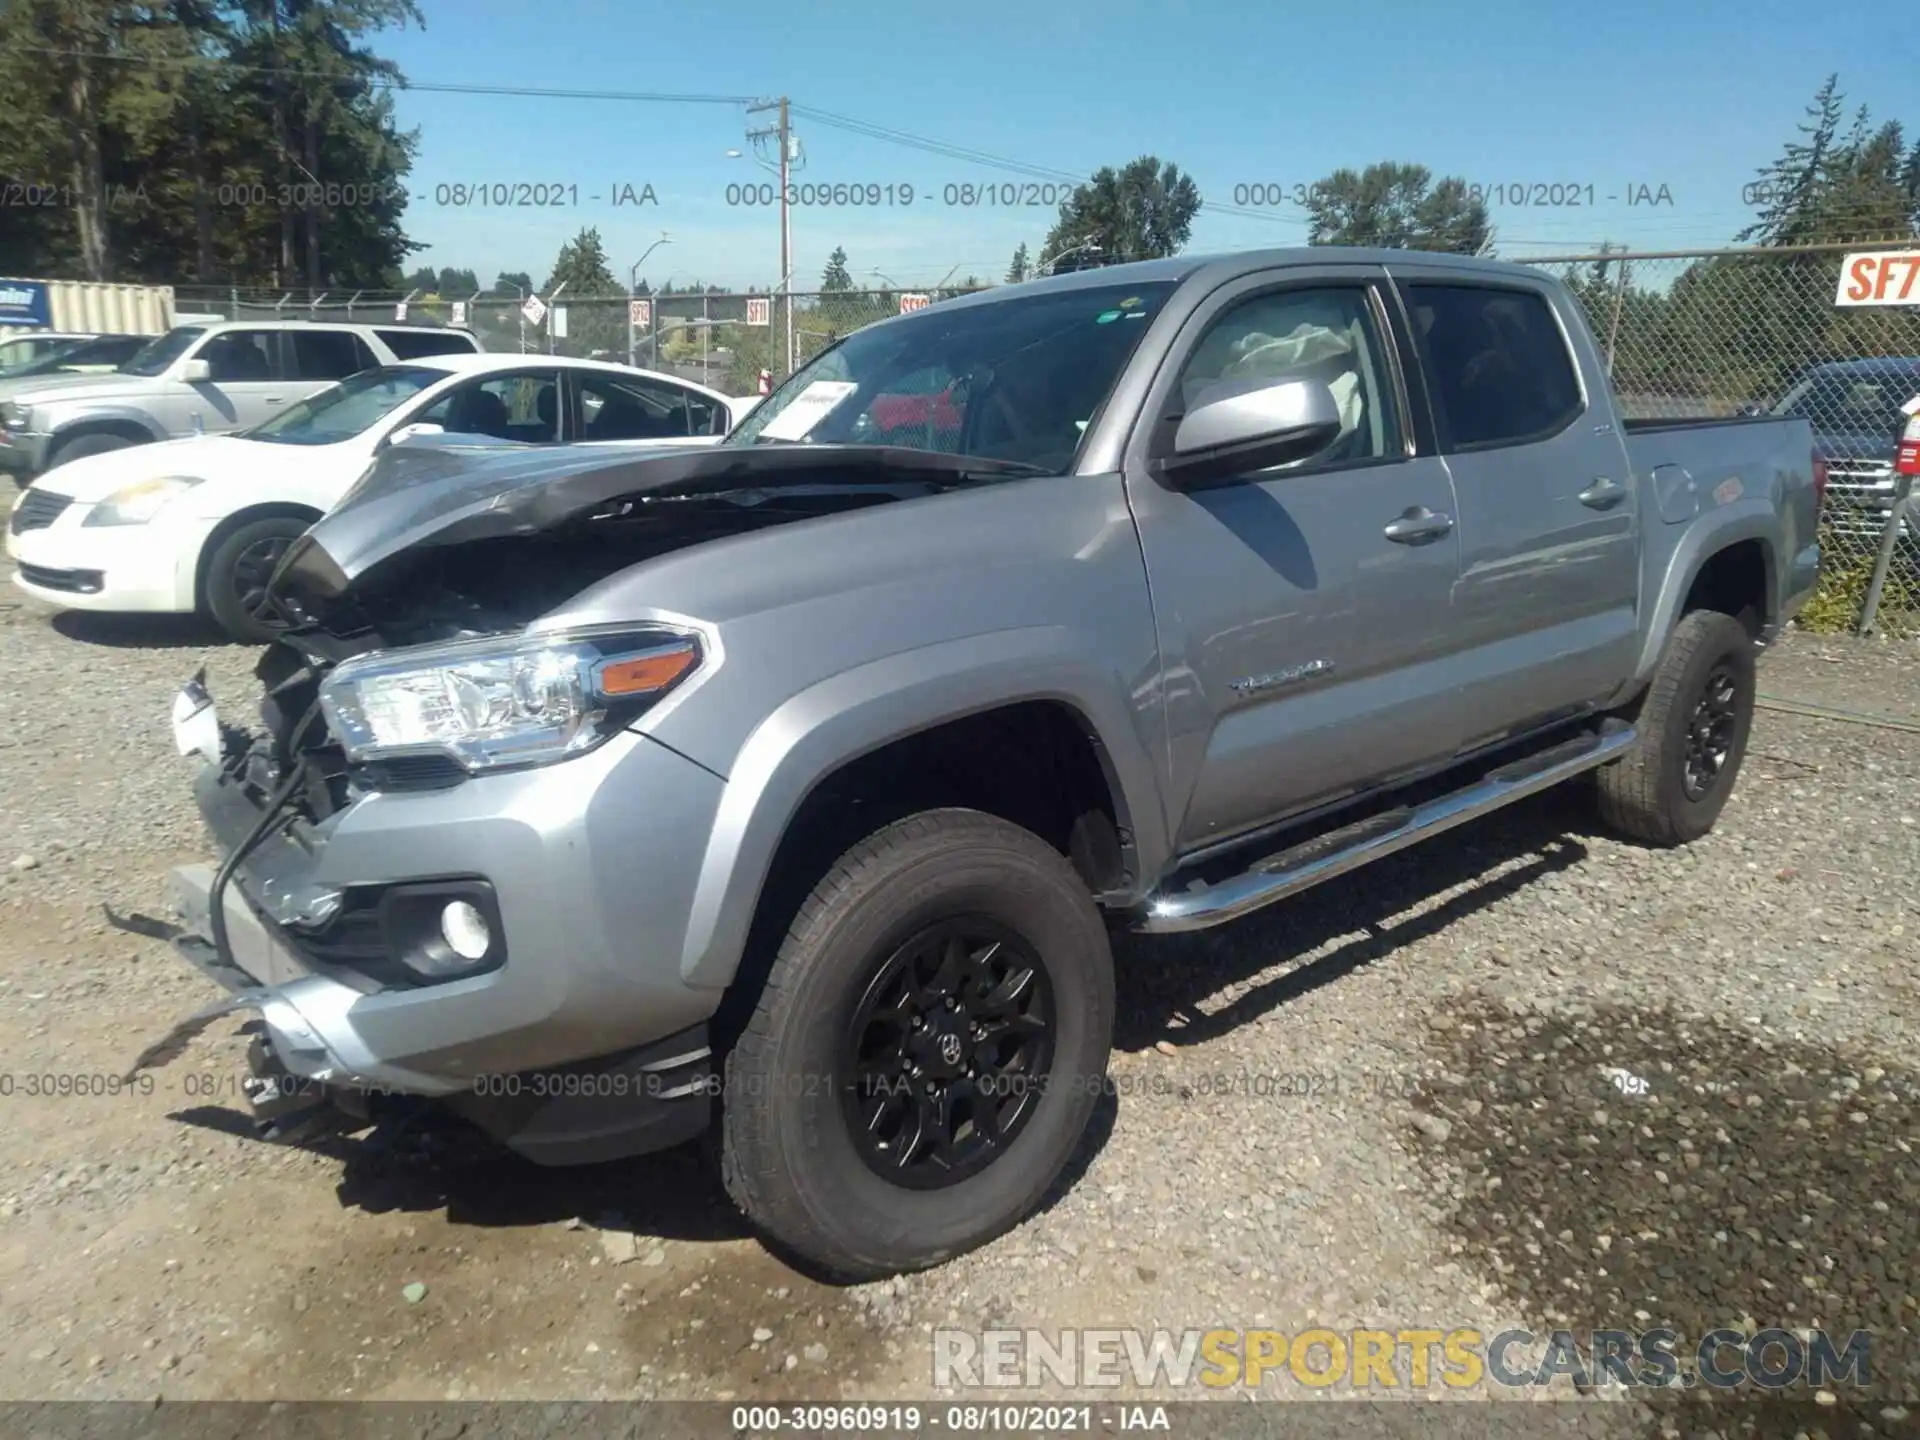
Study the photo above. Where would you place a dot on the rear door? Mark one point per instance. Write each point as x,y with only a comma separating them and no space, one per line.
1290,619
1544,612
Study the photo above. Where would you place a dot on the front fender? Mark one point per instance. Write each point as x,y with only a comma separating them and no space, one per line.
61,426
859,710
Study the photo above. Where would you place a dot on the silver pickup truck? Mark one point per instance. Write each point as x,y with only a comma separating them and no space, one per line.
793,788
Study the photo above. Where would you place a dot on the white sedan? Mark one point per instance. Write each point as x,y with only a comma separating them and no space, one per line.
200,523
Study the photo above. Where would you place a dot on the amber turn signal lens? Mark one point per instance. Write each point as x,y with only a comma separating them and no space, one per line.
644,674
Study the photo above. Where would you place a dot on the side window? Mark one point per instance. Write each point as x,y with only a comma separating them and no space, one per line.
412,344
237,355
1497,365
509,407
613,407
1327,335
328,354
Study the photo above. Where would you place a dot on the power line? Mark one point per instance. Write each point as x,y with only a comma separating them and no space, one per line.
390,83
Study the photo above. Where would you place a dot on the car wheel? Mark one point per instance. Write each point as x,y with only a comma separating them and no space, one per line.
927,1051
1693,723
84,445
234,589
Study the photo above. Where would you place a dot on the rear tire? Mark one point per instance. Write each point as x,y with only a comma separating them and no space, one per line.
82,446
233,587
852,1175
1693,725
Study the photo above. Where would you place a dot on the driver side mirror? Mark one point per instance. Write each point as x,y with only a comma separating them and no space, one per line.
1238,426
195,372
418,427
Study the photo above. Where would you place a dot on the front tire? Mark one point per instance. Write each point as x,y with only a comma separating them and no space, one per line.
83,446
871,1144
234,586
1693,724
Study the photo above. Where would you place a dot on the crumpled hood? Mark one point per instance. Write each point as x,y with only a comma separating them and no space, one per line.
442,495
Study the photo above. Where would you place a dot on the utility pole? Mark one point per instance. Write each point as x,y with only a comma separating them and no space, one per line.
783,131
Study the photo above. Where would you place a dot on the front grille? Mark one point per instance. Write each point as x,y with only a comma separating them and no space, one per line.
70,582
37,510
1859,496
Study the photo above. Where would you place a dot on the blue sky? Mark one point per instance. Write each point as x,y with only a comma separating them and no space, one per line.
1691,95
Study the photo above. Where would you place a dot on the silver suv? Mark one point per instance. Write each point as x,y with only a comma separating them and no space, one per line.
197,379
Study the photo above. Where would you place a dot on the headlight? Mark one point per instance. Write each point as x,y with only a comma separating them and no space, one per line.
138,503
13,416
504,700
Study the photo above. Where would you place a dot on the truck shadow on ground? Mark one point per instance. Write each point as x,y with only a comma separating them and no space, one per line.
436,1163
140,632
1161,980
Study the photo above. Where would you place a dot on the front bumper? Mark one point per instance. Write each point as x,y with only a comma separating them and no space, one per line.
108,567
23,453
585,1044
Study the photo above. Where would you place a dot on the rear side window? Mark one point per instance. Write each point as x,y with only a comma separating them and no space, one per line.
329,354
412,344
1497,365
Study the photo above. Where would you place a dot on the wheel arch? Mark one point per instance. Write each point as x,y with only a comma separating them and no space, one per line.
270,510
841,723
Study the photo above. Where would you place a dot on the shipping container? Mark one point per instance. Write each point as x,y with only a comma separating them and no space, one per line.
85,307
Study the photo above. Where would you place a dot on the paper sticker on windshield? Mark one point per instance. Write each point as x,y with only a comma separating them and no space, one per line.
808,409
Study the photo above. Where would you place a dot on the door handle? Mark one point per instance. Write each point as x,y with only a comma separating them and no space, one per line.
1417,525
1602,492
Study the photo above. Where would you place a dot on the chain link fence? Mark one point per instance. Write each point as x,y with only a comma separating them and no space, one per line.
1756,331
724,341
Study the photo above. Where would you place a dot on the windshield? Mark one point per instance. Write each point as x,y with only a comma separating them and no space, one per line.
1018,379
1862,402
108,354
20,356
345,410
162,352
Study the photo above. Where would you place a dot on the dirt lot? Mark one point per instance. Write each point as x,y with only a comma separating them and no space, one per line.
1457,1010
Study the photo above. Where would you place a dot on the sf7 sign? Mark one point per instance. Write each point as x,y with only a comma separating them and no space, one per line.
1880,277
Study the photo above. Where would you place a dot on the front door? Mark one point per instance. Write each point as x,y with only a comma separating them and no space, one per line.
1292,602
246,384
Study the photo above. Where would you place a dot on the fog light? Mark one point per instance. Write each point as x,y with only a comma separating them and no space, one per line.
465,930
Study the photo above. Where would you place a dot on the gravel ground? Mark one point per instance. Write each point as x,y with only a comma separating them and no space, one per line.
1527,1075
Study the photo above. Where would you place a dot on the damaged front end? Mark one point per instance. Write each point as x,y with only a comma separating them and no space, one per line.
415,897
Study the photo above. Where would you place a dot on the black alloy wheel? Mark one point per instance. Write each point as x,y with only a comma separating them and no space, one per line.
1710,732
947,1052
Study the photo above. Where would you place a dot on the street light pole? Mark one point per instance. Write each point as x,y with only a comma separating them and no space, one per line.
633,281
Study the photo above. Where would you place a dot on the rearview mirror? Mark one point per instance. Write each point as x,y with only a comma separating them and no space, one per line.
418,427
195,372
1238,426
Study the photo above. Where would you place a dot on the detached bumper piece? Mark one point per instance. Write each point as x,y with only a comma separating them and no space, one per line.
633,1103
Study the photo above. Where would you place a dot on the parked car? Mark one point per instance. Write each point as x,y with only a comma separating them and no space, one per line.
794,785
98,356
198,524
198,379
1854,408
24,349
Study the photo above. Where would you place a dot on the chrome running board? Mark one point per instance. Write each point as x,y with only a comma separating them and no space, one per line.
1288,872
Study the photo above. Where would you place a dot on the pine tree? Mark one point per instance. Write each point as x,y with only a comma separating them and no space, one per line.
1018,270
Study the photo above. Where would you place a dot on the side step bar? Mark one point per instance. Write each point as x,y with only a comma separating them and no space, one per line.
1274,877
